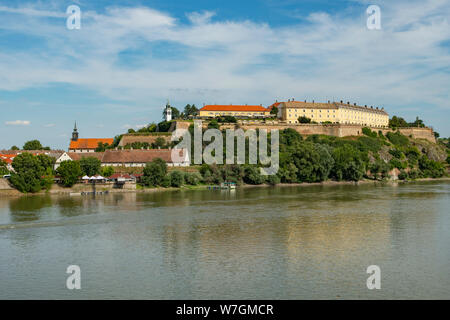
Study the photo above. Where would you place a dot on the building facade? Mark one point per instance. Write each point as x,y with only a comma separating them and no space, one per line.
86,145
333,112
135,157
239,111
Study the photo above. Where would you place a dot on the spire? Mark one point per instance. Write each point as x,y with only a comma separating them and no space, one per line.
75,132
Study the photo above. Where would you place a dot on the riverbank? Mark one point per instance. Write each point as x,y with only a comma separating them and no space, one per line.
76,190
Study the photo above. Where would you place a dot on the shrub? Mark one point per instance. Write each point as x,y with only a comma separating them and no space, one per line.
303,119
193,178
154,172
252,175
366,131
176,178
431,168
273,179
166,181
90,166
69,171
348,163
402,175
397,138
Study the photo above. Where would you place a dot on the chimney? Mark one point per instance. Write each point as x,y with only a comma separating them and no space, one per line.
305,100
365,105
377,108
348,102
371,107
341,101
293,99
328,101
313,101
354,104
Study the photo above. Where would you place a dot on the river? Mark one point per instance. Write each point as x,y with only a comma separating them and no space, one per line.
294,242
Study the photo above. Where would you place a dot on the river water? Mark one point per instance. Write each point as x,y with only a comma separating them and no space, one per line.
254,243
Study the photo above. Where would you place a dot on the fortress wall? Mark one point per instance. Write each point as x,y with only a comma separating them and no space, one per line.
126,139
338,130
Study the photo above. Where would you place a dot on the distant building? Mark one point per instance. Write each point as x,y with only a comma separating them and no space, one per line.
86,145
334,112
240,111
11,154
134,158
8,159
168,112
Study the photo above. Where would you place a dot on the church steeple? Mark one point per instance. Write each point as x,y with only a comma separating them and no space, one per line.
75,133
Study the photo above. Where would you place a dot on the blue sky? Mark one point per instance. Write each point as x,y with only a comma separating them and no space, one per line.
129,57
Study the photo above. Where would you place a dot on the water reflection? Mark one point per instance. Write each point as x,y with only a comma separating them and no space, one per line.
285,242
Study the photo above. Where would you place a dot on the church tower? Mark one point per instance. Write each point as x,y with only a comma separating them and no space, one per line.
168,112
75,133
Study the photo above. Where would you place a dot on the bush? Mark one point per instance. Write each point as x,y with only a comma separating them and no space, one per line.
395,163
273,179
252,175
431,168
313,161
176,178
213,124
90,166
166,181
397,138
3,168
379,168
366,131
154,172
303,119
193,178
107,171
69,171
348,163
29,171
402,175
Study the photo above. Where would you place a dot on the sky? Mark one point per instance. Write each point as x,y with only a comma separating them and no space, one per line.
130,57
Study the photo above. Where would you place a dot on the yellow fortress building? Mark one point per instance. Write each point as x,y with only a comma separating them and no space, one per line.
334,112
246,111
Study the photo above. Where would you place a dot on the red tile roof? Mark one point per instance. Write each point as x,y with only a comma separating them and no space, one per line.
89,143
245,108
137,156
8,158
76,156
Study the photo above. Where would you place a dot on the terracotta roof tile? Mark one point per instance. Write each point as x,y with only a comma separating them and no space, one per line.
90,143
234,108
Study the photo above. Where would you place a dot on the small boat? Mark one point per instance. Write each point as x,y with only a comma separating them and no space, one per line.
228,185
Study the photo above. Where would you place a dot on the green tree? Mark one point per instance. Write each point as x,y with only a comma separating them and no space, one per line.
313,161
32,145
154,172
176,178
28,173
90,166
159,143
3,168
252,175
69,171
274,110
101,147
107,171
348,163
213,124
14,148
303,119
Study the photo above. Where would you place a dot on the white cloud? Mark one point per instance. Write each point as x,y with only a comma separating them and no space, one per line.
49,125
18,123
325,57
